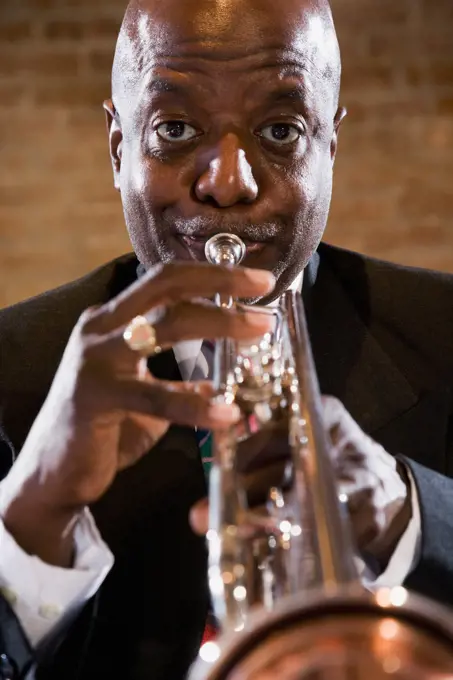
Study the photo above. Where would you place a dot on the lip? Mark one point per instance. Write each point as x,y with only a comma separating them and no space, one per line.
196,245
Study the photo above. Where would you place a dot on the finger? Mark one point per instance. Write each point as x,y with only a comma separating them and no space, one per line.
257,484
189,321
199,517
365,518
342,428
175,282
267,446
173,402
332,411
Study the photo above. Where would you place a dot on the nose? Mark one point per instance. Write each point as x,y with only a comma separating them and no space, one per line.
228,178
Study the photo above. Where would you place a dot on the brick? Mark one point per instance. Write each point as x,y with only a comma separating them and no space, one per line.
63,30
415,74
43,4
368,14
437,12
363,110
444,105
436,43
15,31
100,61
83,4
65,92
41,63
79,29
370,76
441,73
99,188
104,27
12,93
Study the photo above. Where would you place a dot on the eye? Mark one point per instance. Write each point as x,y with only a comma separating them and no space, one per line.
280,133
176,131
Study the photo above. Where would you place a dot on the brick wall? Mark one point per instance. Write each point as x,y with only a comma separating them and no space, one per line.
60,217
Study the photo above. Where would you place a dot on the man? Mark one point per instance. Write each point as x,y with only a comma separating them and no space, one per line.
224,117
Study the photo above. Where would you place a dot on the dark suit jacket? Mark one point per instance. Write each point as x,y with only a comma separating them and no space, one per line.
383,343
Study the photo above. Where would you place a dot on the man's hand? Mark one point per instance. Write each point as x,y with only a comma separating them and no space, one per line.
105,410
376,486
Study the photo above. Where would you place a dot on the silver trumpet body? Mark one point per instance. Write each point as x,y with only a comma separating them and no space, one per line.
281,568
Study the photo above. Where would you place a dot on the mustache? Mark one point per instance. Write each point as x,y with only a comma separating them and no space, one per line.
205,226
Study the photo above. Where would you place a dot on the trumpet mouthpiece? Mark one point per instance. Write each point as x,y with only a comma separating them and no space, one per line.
225,249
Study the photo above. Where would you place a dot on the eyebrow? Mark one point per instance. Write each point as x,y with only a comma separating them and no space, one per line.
165,86
289,93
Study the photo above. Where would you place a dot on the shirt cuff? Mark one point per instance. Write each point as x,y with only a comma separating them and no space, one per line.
406,554
43,596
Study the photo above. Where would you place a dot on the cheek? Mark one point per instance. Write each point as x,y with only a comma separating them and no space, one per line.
308,192
148,181
133,177
315,189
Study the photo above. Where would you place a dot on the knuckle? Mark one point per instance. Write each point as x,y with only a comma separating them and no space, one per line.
353,453
370,534
156,402
168,323
333,404
232,322
186,410
157,271
89,320
91,351
171,278
165,272
368,494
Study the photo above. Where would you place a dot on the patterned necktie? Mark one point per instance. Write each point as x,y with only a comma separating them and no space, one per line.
205,445
204,438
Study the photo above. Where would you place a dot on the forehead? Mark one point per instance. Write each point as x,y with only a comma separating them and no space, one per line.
232,26
234,35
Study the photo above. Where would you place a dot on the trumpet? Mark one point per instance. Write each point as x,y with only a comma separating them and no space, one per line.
281,569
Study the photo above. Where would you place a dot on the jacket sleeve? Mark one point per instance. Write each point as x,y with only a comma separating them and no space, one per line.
46,597
39,602
433,573
16,655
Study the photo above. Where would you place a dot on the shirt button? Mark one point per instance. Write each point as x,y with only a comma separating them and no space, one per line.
8,669
9,595
49,611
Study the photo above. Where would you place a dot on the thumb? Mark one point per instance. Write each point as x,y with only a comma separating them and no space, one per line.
199,517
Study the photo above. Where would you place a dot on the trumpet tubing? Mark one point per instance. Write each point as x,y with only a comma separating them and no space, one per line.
269,534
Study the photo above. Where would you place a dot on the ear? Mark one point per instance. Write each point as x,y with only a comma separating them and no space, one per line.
340,114
115,140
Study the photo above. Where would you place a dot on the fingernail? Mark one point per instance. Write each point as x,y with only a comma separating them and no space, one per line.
224,413
263,277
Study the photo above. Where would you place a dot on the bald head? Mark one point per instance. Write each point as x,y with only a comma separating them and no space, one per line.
151,29
225,118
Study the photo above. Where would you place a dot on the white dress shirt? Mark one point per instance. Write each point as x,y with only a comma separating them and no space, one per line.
45,597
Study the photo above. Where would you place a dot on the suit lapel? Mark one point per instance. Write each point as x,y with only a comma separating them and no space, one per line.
354,366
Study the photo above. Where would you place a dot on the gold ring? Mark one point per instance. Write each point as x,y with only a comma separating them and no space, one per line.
140,336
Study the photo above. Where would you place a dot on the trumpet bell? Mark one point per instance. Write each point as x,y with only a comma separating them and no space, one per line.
389,635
